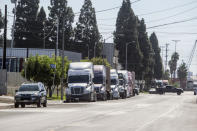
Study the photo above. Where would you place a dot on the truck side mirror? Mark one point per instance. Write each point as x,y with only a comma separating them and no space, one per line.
16,91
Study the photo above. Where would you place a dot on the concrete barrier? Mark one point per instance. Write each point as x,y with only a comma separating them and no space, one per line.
14,80
3,82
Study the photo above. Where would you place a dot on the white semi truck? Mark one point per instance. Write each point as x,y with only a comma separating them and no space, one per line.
114,84
80,82
126,88
100,82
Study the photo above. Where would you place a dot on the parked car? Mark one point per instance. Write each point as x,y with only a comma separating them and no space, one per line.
32,93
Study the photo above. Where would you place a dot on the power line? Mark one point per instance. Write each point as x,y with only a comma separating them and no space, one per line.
113,8
167,9
176,22
178,33
180,13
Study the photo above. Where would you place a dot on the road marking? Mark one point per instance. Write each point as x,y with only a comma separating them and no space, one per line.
159,117
39,110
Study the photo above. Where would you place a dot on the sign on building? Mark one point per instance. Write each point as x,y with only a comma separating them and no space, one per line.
3,82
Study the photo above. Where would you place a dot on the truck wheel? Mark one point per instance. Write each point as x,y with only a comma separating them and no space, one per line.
16,105
95,97
90,99
194,93
178,93
23,105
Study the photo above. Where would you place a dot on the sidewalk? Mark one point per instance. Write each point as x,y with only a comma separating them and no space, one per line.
7,102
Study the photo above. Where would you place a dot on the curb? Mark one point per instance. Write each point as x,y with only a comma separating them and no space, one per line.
6,107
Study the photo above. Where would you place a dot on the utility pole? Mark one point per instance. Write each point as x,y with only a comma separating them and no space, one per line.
176,41
166,63
162,52
62,78
57,43
44,35
13,30
5,38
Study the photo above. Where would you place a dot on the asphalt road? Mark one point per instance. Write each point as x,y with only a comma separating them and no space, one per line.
145,112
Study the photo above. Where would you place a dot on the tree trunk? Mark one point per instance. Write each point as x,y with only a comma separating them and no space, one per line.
50,91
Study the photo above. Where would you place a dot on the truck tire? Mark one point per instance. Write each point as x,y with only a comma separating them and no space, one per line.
91,97
95,97
16,105
179,93
23,105
194,93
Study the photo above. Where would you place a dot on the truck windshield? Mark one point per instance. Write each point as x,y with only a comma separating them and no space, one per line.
78,79
98,80
121,82
113,82
29,88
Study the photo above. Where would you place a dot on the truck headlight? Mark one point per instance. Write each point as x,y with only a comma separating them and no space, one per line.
102,88
68,91
88,88
18,95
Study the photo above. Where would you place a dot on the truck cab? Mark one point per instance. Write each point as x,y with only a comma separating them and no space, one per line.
127,84
80,82
100,82
114,84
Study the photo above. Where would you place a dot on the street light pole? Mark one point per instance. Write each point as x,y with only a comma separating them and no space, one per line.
176,41
95,50
88,51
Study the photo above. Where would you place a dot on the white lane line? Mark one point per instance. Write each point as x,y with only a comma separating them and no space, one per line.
39,110
159,117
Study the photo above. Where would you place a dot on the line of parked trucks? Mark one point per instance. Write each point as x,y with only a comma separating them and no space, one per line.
91,82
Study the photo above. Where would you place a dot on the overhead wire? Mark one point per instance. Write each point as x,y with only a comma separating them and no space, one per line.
113,8
180,13
172,23
167,9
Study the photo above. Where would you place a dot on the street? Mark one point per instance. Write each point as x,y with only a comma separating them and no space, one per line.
145,112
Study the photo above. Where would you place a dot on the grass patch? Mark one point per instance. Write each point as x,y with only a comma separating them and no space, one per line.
55,97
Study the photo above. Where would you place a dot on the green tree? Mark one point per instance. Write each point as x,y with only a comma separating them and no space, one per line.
173,63
127,34
166,75
60,9
146,48
182,74
87,30
98,61
42,21
158,66
182,71
38,69
26,28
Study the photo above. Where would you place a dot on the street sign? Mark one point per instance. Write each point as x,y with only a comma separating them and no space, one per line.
53,66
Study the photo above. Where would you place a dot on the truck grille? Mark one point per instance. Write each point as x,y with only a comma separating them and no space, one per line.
97,89
77,90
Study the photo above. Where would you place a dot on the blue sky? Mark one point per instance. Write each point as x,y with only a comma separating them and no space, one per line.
166,34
